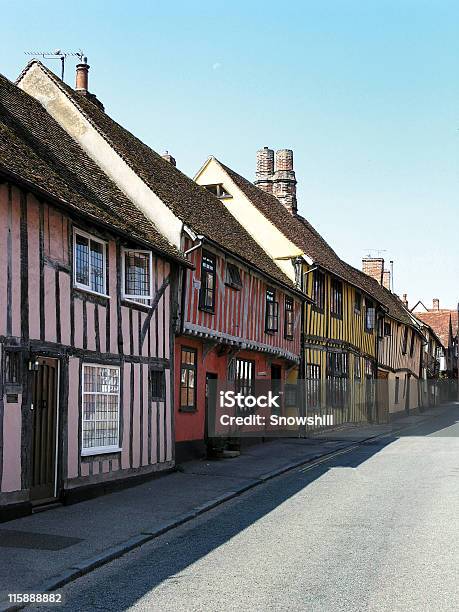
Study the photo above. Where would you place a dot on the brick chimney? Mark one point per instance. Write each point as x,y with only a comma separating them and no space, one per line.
374,267
82,73
386,279
81,83
405,300
265,169
168,157
284,185
435,304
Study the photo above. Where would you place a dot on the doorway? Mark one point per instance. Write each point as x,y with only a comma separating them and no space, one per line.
43,485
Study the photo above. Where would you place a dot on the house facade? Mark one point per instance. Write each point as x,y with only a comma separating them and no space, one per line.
252,297
237,325
339,341
86,301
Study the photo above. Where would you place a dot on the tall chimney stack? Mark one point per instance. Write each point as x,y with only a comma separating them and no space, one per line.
82,72
405,300
436,304
374,267
265,169
284,187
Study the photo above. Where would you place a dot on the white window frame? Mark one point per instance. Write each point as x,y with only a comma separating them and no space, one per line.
134,298
81,286
99,450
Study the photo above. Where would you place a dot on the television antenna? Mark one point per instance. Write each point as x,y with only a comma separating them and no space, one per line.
375,252
57,54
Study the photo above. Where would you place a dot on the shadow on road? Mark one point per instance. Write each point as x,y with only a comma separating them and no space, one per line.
177,552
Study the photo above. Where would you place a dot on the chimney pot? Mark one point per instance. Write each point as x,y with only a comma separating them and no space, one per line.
436,304
168,157
386,279
284,187
82,71
265,169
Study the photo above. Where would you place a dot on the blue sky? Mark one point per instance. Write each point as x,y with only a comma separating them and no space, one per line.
366,94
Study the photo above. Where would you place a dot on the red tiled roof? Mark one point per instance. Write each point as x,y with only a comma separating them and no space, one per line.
439,322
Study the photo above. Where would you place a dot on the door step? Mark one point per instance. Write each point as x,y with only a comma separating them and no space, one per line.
44,505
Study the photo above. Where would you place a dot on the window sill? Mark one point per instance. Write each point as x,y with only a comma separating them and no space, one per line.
90,291
290,338
234,286
271,332
135,305
189,410
208,310
337,316
107,450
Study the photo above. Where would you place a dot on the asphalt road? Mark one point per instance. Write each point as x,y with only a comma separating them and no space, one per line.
373,529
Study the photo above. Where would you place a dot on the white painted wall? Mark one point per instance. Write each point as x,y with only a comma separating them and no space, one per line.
274,243
38,84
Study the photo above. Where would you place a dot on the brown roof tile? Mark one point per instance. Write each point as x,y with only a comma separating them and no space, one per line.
36,150
194,205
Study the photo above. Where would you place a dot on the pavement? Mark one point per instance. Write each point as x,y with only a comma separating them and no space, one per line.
44,552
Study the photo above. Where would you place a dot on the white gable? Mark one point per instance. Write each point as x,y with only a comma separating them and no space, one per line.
38,84
268,236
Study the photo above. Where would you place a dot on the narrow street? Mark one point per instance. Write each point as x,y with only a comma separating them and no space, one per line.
373,528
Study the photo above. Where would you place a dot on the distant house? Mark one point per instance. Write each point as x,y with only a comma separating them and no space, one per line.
87,289
445,324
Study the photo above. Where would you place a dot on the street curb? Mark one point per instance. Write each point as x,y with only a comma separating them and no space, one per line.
117,551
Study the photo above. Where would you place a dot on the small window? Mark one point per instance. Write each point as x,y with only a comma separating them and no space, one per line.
397,389
12,367
137,276
336,298
101,409
244,378
387,328
370,316
289,320
218,190
313,386
412,343
405,341
272,311
89,263
188,373
233,276
318,290
208,278
157,385
357,371
357,302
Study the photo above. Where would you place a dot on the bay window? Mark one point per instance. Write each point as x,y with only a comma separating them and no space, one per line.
100,409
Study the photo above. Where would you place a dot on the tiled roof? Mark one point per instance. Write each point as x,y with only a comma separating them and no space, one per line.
298,229
192,204
36,150
439,320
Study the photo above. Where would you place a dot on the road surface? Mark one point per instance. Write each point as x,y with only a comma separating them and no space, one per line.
373,529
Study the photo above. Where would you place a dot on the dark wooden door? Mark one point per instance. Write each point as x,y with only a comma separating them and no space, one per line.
44,426
211,404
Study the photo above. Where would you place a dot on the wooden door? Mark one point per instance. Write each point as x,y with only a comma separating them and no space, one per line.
44,430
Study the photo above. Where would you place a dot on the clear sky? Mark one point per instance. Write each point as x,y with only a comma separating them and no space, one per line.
365,92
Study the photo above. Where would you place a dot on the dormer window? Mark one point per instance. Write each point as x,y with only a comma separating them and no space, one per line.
218,190
233,276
